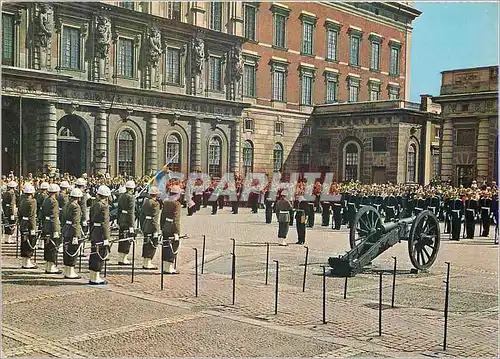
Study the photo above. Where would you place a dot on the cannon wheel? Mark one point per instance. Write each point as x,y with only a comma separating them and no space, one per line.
424,240
366,223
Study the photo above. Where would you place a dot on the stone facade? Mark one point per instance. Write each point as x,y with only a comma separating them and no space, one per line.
469,143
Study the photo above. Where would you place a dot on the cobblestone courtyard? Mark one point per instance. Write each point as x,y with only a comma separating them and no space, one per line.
47,316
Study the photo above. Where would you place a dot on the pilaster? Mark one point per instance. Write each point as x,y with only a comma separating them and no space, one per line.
235,147
447,150
151,144
195,145
483,149
101,142
47,135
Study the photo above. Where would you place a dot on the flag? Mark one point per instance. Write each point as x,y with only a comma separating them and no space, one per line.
160,180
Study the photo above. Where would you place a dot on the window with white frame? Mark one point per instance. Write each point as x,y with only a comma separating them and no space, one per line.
125,59
247,157
126,153
249,75
249,125
374,91
279,128
216,15
353,85
173,152
71,48
173,69
394,60
215,73
354,46
174,10
214,156
280,17
306,86
351,161
250,21
8,47
331,80
278,157
307,38
375,54
278,81
393,92
332,35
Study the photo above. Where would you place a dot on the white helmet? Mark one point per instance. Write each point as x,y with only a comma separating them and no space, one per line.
76,192
29,188
64,184
12,184
122,190
80,182
153,190
44,185
54,188
104,191
130,185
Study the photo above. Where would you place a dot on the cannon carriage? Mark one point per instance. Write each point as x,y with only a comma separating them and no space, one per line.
369,238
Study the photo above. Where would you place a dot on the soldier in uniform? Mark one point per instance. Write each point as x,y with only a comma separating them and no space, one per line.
126,222
27,226
325,214
51,230
99,235
486,205
170,223
40,198
310,215
72,233
283,208
9,207
300,219
456,212
63,199
81,183
150,224
470,205
269,202
235,204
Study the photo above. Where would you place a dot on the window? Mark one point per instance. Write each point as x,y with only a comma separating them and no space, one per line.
331,87
8,39
214,156
354,50
324,145
331,44
128,5
394,61
374,91
247,157
249,80
126,153
435,164
71,48
306,131
306,87
305,158
278,157
279,128
353,89
248,124
279,34
379,144
174,10
173,66
393,93
465,137
216,15
215,74
250,22
173,153
125,57
278,83
351,160
412,160
375,56
307,38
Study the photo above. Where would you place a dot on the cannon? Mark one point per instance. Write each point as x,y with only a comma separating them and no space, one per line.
369,238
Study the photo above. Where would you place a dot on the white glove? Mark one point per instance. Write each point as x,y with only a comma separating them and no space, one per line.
56,234
33,232
131,229
74,241
156,235
84,223
12,217
176,237
105,242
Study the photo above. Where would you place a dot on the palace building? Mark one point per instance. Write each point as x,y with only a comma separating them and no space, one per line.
125,87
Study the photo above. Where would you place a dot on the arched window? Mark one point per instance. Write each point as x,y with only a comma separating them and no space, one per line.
247,157
305,158
278,157
126,153
173,152
351,161
412,162
214,156
65,133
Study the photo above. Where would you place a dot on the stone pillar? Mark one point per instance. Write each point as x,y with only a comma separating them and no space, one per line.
195,145
152,144
483,149
47,137
235,147
101,142
447,150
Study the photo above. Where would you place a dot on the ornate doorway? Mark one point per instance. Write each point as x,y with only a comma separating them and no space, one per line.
72,142
465,175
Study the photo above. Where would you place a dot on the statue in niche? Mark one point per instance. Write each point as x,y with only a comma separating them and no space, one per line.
102,43
197,59
236,71
154,51
44,24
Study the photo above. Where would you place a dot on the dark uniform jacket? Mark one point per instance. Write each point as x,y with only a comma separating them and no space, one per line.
150,216
72,224
63,200
50,216
172,211
99,214
9,203
282,205
27,214
41,197
126,211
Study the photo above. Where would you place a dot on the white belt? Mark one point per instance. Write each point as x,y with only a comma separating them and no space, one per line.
433,208
470,209
337,204
47,218
418,208
7,205
390,207
69,222
124,212
284,212
488,208
455,210
149,217
97,224
169,220
25,219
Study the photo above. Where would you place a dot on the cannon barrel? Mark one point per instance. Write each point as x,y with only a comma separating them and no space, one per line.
389,226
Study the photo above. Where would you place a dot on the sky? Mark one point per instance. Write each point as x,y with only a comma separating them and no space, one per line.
447,36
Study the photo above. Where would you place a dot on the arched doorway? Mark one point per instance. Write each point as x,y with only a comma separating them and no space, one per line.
72,142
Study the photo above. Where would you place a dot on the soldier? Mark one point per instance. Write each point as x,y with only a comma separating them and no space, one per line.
27,226
150,224
40,198
325,214
170,223
51,230
283,208
456,212
486,205
9,207
310,215
390,207
99,235
126,222
235,204
300,219
337,215
269,202
63,199
72,233
81,183
470,205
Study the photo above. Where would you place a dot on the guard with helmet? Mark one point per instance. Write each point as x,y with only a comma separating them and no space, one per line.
27,226
99,235
126,222
72,233
283,208
170,222
51,230
9,207
63,199
486,208
150,224
80,184
40,198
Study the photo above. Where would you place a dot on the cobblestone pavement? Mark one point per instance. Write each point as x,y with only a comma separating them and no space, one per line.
51,317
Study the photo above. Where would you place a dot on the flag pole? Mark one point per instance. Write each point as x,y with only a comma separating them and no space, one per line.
157,173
